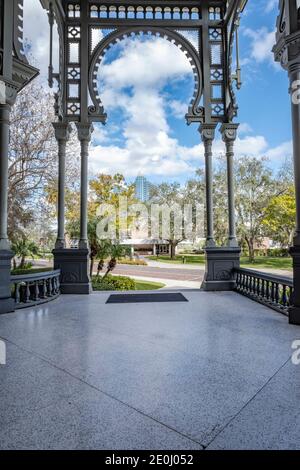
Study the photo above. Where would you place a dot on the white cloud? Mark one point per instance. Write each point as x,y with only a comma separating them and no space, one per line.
178,108
271,4
245,128
147,145
36,32
262,42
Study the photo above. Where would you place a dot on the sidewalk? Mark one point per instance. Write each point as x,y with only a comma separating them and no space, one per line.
169,283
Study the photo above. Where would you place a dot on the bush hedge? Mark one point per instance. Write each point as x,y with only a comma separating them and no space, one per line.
113,283
133,262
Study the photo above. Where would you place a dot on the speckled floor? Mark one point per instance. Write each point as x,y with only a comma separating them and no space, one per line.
213,373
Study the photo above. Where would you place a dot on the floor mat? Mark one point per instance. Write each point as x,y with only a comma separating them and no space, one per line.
145,298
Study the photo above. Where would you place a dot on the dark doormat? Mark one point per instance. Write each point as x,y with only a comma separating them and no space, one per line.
143,298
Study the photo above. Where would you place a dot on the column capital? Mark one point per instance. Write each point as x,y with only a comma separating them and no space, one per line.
84,131
229,132
207,131
62,130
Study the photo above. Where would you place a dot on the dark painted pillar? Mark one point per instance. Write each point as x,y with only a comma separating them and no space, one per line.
229,133
287,53
84,136
6,255
207,132
62,133
294,75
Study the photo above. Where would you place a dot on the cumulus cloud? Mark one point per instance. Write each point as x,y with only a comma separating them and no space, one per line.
36,33
132,86
262,42
271,4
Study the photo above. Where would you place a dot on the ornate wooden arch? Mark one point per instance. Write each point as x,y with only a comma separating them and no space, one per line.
96,111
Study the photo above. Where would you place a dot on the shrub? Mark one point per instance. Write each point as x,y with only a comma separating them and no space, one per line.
113,283
133,262
278,252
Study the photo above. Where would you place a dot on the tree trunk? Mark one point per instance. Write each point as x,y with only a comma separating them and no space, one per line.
92,266
173,251
100,267
250,243
22,262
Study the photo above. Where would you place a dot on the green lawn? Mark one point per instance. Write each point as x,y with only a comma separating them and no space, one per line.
147,285
19,272
260,262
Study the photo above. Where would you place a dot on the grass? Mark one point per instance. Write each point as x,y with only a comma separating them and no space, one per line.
147,285
260,262
189,259
20,272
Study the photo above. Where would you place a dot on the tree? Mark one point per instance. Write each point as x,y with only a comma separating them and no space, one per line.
255,185
23,248
33,158
167,195
116,252
104,189
280,216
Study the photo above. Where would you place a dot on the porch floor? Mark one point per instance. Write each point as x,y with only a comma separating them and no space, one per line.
213,373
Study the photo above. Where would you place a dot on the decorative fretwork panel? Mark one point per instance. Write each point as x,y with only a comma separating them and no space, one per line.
73,79
150,12
202,30
216,71
74,10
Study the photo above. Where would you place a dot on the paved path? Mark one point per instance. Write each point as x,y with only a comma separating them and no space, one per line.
194,275
214,372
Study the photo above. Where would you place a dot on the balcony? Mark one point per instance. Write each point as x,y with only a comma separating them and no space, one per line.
214,372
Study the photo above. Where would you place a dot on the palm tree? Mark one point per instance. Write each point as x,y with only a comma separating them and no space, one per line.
103,252
24,248
117,251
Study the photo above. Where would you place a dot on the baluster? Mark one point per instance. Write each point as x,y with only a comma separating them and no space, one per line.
49,290
27,293
277,293
255,286
250,284
237,280
284,296
272,292
268,290
58,284
17,293
36,291
291,291
262,292
44,289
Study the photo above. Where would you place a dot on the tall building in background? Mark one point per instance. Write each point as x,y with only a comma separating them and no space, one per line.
142,188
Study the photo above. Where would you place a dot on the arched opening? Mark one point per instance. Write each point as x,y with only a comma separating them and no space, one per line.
146,130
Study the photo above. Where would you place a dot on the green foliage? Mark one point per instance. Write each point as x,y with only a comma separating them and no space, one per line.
112,283
24,248
133,262
29,270
280,215
147,285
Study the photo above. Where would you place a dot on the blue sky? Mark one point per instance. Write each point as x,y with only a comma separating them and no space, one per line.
146,86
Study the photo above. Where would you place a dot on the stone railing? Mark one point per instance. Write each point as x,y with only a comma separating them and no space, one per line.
273,291
37,288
